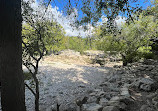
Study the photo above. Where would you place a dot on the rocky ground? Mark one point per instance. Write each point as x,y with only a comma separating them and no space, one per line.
92,83
63,83
66,78
130,88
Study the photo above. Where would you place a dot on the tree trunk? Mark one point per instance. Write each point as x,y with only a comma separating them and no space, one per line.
37,88
12,95
37,95
124,60
90,41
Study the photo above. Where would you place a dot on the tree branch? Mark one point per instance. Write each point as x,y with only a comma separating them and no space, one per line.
30,89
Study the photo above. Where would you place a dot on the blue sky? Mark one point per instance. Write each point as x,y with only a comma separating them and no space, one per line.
57,9
143,3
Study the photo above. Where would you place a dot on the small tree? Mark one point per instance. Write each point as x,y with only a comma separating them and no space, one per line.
39,34
33,51
35,46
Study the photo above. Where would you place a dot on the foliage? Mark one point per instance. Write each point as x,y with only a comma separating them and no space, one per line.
153,9
146,53
93,10
38,39
33,51
77,43
40,35
128,41
54,36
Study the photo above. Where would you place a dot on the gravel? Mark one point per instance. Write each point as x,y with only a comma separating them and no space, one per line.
63,83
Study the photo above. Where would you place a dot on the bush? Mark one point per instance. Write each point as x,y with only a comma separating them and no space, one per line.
145,52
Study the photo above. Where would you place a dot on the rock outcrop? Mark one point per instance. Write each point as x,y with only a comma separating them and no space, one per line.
130,88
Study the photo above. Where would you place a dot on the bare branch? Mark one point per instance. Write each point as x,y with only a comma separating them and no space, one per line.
30,89
28,69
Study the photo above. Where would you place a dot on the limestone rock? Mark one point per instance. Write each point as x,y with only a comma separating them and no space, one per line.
53,107
146,108
115,78
147,84
103,101
115,98
110,108
92,107
81,100
92,99
71,107
126,100
125,92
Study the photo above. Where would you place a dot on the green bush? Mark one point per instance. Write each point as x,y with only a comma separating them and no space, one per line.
145,52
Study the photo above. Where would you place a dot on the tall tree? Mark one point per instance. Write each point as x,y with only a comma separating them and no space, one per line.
12,93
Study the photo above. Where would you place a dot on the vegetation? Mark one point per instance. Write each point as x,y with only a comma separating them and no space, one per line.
132,41
42,36
77,43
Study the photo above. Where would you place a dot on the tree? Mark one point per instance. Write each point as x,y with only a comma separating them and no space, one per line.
137,35
40,35
12,93
33,51
152,10
54,37
93,10
132,40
